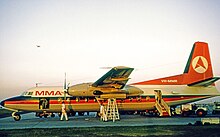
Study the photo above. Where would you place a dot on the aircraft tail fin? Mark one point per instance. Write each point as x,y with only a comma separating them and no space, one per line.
198,70
199,67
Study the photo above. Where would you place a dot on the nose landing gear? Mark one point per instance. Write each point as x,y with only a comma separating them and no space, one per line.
16,116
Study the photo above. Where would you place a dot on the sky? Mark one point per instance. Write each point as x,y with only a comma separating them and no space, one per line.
82,37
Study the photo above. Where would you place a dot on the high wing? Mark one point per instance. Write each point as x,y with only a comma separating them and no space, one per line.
117,78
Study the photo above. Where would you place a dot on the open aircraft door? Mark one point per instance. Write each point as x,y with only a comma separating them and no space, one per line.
44,103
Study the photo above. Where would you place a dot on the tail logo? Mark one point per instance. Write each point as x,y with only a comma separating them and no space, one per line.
200,64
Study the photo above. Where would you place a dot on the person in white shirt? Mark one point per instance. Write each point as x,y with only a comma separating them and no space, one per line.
102,113
63,110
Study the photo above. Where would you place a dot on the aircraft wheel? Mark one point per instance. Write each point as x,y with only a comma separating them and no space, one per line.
45,116
73,113
130,112
52,115
157,114
81,113
17,117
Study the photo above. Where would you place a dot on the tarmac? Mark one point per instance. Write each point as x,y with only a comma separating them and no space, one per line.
29,121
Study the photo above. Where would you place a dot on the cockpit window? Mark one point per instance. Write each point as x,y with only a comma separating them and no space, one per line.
24,93
30,93
27,93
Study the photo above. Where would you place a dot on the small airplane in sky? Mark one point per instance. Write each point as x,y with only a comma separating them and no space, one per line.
156,96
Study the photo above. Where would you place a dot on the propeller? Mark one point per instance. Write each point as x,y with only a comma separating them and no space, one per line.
65,87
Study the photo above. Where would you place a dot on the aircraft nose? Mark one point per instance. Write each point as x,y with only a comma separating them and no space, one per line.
2,103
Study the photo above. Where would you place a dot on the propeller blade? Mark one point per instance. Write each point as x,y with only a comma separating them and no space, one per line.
65,89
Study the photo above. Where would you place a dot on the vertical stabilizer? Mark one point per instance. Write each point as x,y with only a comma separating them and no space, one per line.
198,67
198,70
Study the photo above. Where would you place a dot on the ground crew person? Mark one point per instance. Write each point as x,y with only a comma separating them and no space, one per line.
63,110
102,113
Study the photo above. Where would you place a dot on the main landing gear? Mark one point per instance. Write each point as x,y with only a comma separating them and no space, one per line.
44,114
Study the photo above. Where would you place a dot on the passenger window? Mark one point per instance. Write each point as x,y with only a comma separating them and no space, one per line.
138,99
147,98
68,100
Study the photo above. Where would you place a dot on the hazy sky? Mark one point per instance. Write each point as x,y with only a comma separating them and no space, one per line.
80,36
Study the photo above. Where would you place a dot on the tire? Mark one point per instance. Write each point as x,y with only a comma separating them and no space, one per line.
200,113
207,124
130,112
17,117
52,115
198,123
73,113
81,113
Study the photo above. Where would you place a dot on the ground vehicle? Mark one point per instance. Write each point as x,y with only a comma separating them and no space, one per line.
216,108
184,110
208,121
192,109
201,109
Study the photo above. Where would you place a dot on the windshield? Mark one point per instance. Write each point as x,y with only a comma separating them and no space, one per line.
26,93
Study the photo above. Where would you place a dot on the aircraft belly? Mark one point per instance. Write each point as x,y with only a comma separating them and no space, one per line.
23,107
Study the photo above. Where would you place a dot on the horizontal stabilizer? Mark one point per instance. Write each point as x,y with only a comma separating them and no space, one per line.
206,82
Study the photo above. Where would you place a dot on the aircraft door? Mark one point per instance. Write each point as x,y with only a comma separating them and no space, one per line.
44,103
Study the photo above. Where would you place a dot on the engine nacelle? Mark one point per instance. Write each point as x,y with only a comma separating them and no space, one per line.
86,89
132,91
80,90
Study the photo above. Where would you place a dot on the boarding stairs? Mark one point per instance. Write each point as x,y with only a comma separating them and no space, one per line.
112,110
161,106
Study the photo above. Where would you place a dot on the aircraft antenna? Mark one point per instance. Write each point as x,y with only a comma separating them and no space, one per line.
37,84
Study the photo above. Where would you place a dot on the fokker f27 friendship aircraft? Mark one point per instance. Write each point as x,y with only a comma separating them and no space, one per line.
196,83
